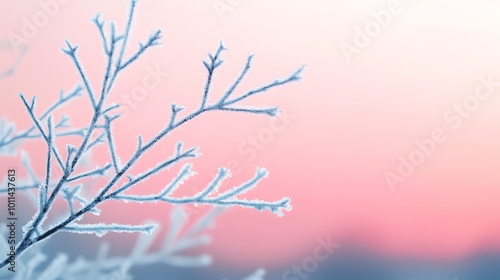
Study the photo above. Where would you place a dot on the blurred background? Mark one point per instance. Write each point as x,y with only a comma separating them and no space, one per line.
388,146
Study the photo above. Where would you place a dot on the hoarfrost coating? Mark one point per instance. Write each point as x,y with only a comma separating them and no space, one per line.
99,131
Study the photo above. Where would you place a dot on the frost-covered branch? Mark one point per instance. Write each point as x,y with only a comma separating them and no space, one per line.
179,238
99,130
228,198
102,229
111,142
9,141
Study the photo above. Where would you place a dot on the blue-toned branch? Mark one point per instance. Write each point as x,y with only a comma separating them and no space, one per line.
5,141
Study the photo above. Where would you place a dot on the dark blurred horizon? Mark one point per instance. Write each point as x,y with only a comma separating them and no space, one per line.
351,263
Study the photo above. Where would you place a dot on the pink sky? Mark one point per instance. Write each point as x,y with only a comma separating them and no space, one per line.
350,121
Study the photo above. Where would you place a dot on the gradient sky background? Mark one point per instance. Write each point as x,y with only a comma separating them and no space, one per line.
350,121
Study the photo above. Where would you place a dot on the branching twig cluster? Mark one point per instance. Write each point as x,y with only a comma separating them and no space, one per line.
9,139
100,131
35,264
105,267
